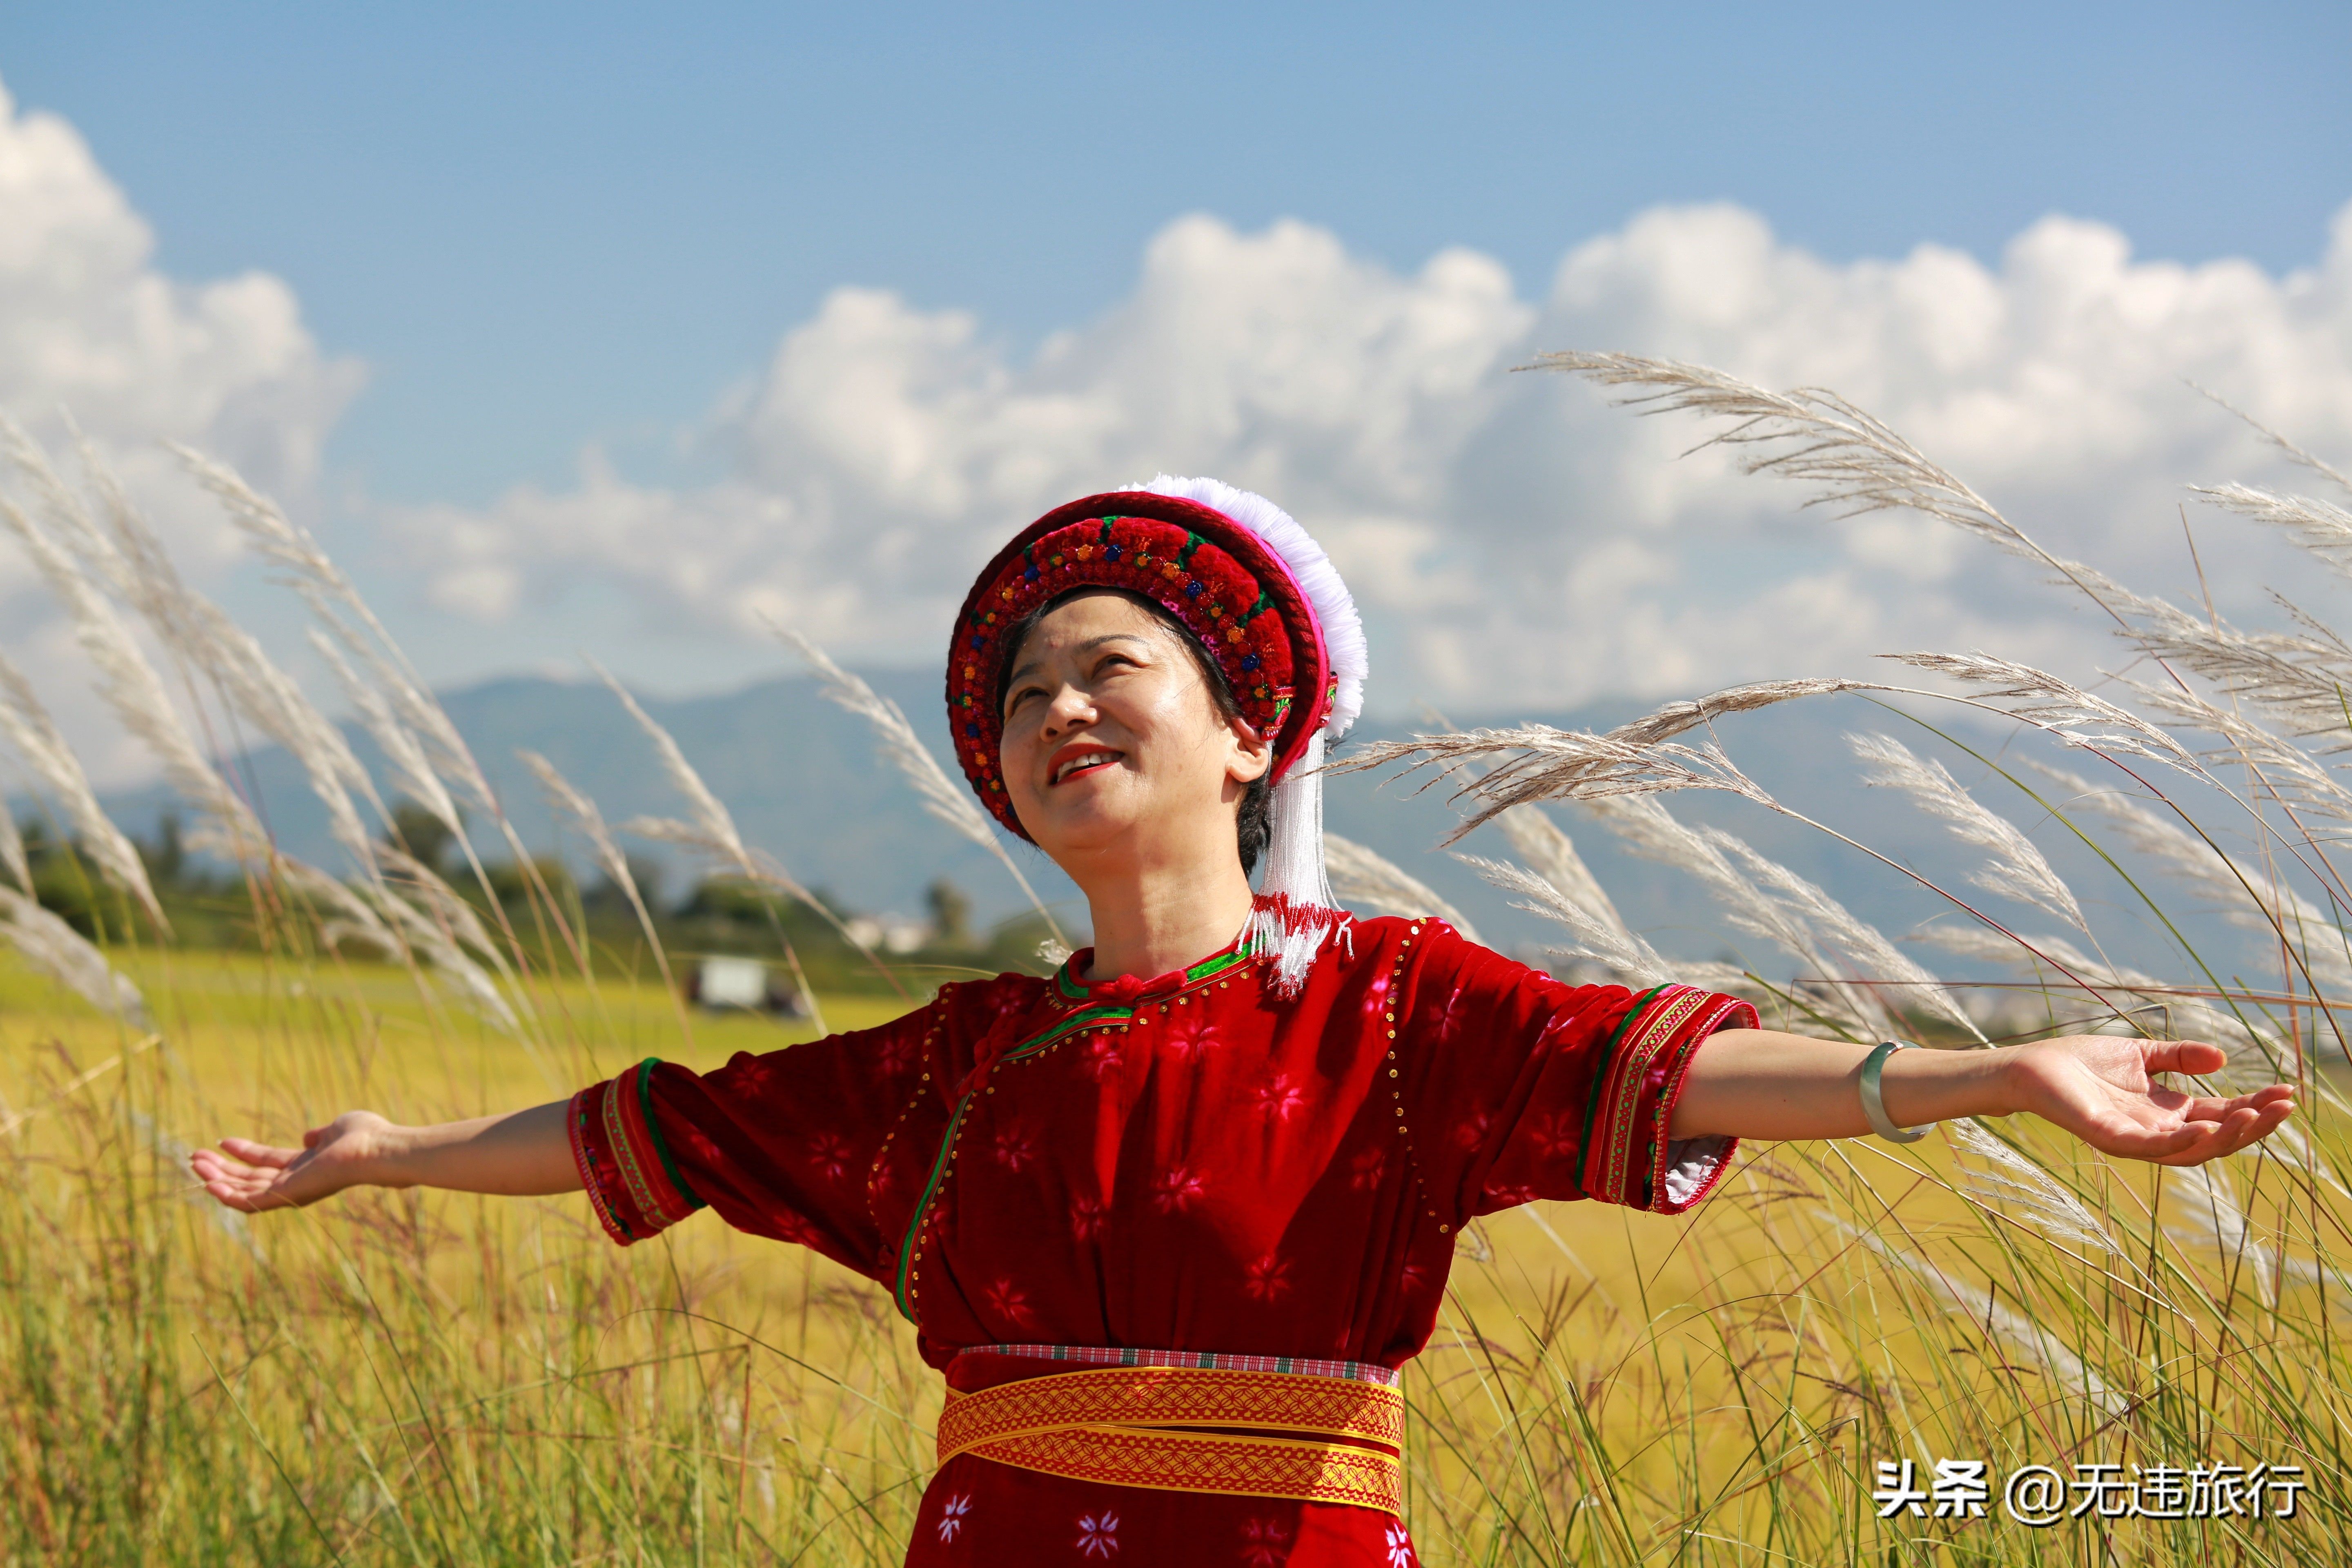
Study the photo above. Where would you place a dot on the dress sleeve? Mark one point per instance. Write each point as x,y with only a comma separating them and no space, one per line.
787,1143
1521,1087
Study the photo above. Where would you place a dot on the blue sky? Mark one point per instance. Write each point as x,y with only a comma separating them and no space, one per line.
625,330
539,226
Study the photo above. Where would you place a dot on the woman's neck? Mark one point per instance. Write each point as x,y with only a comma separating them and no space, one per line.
1155,920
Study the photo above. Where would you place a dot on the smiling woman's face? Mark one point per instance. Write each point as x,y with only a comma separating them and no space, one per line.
1113,748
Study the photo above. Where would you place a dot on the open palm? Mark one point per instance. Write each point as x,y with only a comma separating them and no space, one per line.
2104,1090
257,1176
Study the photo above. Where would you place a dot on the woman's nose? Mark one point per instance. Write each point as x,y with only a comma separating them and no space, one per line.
1070,709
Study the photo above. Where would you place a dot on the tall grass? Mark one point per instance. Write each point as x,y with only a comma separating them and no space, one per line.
427,1378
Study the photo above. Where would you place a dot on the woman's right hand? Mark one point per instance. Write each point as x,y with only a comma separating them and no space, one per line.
349,1152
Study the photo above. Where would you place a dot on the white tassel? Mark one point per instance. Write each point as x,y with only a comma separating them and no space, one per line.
1296,912
1294,853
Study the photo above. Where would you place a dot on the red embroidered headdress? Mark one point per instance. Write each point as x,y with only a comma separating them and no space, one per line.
1263,599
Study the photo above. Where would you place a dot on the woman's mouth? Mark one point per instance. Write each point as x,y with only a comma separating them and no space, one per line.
1083,762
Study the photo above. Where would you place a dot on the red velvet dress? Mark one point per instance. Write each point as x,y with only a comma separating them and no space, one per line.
1190,1163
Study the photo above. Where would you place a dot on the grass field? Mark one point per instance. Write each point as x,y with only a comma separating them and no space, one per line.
410,1378
405,1377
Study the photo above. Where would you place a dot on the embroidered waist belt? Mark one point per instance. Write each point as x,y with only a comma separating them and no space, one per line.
1313,1438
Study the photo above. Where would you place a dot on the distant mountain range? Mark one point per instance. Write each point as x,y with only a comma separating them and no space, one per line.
803,782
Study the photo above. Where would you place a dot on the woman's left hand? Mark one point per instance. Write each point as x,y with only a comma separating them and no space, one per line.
2103,1090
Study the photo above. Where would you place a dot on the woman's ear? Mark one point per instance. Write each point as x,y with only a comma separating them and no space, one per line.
1250,755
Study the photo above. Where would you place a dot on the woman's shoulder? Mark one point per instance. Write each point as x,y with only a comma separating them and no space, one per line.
1406,936
1422,951
1399,945
983,1001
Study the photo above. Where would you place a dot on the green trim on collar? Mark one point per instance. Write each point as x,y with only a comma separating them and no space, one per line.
1108,1013
1210,967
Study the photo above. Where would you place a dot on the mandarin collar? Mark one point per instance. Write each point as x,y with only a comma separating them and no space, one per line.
1126,989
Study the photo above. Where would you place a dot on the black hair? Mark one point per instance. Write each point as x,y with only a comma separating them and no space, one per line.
1255,826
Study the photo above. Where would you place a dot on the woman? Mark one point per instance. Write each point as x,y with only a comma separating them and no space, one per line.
1170,1221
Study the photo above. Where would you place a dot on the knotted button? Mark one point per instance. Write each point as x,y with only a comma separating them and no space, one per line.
1122,991
990,1051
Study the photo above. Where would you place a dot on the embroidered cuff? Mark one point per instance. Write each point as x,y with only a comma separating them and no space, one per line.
633,1184
1627,1157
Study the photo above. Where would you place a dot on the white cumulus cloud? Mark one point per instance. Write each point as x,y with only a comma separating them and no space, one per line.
90,328
1514,542
88,323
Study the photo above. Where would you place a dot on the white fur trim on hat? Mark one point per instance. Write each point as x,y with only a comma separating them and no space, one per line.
1335,610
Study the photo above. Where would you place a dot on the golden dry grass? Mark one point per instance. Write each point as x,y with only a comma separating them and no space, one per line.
408,1377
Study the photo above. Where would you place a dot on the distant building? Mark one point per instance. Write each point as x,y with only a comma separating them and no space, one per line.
890,934
749,983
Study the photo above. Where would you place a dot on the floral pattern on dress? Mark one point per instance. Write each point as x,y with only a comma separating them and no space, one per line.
1103,1055
1265,1544
897,1053
1267,1279
1014,1149
953,1514
1177,1189
1470,1131
829,1155
1010,1302
1098,1534
1278,1099
1557,1136
1190,1037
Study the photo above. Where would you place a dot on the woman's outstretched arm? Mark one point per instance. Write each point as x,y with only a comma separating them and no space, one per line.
523,1153
1759,1083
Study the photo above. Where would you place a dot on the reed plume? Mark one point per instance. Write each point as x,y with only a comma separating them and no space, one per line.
412,772
407,712
58,950
1365,877
1652,832
1546,849
129,684
574,806
1889,971
2007,1179
13,859
438,939
2323,528
2246,897
1540,763
946,800
51,762
2016,869
2293,453
1604,940
712,831
1850,460
132,560
2157,1007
